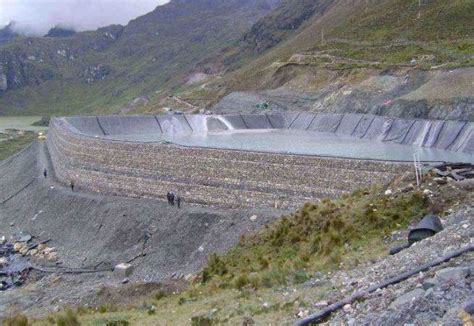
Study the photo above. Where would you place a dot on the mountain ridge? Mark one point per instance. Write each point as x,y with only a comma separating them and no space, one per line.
306,47
151,51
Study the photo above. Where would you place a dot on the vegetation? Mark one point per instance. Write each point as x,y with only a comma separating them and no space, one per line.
12,142
68,318
19,320
316,237
409,20
260,277
43,122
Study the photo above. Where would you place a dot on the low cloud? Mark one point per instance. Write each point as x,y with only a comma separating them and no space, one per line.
36,17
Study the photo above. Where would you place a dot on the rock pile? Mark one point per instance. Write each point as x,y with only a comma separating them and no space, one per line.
40,251
15,257
455,171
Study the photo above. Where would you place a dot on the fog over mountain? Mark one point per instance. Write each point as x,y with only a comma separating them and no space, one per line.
36,17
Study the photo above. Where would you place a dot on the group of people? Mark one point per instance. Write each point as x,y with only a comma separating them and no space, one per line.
172,199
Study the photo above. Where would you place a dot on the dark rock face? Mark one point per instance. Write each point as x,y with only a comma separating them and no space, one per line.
7,34
17,71
58,31
274,28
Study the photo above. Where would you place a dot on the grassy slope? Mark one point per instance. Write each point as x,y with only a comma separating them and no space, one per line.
366,30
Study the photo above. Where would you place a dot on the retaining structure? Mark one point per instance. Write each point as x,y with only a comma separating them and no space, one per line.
81,152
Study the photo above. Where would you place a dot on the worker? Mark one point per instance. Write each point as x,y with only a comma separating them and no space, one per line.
178,201
72,185
172,197
45,173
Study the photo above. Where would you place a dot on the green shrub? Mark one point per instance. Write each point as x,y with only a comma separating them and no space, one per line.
300,276
215,266
69,318
44,122
241,281
201,321
159,295
102,309
19,320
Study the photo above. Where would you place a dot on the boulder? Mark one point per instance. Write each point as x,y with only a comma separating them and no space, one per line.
347,308
52,256
408,188
452,274
429,283
440,181
49,250
469,308
321,304
407,298
18,246
123,270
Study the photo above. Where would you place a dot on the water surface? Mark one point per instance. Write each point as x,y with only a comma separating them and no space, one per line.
304,143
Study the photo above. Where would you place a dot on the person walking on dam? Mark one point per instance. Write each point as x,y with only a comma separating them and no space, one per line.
172,198
178,201
45,173
72,185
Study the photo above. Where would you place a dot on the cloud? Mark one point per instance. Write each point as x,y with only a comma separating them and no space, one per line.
36,17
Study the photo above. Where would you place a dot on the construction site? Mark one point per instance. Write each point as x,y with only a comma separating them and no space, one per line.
92,196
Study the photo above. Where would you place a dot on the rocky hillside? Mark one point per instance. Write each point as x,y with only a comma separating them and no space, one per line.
401,57
107,68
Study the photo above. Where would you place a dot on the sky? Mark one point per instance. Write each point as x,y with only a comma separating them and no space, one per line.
36,17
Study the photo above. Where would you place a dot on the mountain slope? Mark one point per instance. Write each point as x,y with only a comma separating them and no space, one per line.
332,55
104,69
362,56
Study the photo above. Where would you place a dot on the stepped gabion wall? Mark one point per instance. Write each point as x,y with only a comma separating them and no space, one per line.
226,178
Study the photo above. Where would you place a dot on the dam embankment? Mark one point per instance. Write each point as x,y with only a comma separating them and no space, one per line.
225,178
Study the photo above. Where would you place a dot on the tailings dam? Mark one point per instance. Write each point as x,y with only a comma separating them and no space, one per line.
267,160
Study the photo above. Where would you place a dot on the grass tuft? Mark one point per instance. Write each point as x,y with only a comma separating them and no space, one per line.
68,318
19,320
